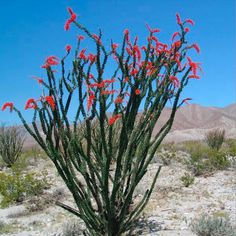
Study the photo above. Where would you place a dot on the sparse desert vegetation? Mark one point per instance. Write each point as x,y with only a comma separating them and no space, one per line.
181,199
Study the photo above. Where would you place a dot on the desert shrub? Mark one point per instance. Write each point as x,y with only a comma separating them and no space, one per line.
187,179
166,156
212,226
11,143
231,147
73,228
33,153
170,146
15,187
190,146
6,228
204,160
41,202
215,138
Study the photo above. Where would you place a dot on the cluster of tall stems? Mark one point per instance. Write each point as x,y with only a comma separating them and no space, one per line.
104,149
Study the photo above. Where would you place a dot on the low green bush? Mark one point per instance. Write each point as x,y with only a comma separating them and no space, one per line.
212,226
188,146
231,147
215,138
73,228
187,179
204,160
16,186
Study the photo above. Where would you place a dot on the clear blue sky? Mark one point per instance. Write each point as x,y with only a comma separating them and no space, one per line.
32,30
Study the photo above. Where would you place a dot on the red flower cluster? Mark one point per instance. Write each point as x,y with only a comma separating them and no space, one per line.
92,58
137,92
39,80
72,18
102,84
113,119
8,104
51,61
90,100
118,100
114,46
194,67
50,101
82,54
175,81
80,37
31,103
108,92
186,100
97,39
68,48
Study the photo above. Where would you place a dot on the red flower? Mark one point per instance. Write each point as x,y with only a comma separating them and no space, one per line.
186,100
90,100
137,51
113,119
194,77
82,54
31,103
177,44
186,30
80,37
174,35
118,100
114,47
155,39
51,61
68,48
126,79
194,66
144,48
40,80
92,57
134,72
8,104
174,80
126,31
97,39
91,76
137,91
196,47
50,101
72,18
152,30
127,37
128,50
109,81
106,92
178,19
191,22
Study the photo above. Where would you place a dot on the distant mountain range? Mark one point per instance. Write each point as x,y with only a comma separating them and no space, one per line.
192,122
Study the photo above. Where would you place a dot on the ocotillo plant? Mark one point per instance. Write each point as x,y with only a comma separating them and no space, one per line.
103,154
11,143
